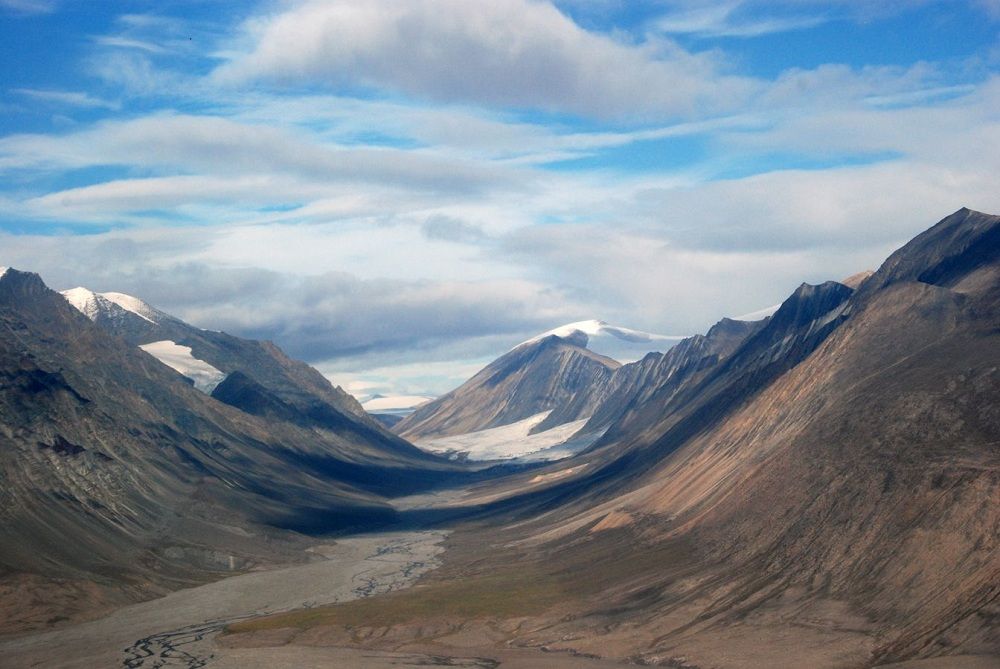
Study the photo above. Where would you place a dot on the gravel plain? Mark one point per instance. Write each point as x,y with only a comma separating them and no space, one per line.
178,631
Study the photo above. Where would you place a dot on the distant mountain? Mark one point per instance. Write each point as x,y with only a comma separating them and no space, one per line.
612,341
553,380
539,375
121,480
205,358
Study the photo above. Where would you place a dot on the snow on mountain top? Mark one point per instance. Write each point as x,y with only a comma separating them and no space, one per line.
620,343
394,403
85,301
179,358
3,270
598,328
133,304
92,304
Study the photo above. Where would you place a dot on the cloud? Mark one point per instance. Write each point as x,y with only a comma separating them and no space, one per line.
313,316
129,43
991,7
446,228
221,146
509,53
29,6
724,19
71,98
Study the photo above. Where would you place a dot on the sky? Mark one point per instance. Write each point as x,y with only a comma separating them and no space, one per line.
398,192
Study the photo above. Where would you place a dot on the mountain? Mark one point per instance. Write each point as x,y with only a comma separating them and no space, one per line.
205,358
816,489
122,481
546,373
537,376
824,495
554,388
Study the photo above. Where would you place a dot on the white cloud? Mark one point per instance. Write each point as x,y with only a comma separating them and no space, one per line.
723,19
509,53
129,43
29,6
221,146
71,98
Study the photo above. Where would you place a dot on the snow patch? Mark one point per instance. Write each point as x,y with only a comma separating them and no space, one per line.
179,358
3,270
513,442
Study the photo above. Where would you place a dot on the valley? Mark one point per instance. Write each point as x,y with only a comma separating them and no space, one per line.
815,488
507,334
179,630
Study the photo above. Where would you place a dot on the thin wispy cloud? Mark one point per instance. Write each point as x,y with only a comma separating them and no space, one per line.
128,43
70,98
28,6
728,19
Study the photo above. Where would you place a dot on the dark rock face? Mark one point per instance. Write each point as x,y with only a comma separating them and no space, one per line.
240,391
544,375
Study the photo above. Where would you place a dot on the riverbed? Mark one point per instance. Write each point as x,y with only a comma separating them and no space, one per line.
179,630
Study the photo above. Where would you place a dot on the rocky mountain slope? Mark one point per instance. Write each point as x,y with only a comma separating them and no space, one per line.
822,491
120,478
840,468
294,382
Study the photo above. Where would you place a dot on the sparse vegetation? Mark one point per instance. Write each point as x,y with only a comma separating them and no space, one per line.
516,592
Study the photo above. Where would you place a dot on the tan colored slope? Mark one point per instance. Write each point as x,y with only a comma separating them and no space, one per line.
841,510
865,483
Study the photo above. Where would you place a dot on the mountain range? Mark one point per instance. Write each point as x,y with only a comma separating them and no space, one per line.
815,488
818,488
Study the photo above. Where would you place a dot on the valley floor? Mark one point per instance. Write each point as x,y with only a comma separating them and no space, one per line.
179,630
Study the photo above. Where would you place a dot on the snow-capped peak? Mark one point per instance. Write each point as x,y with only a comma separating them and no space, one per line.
92,304
133,304
3,270
595,327
614,341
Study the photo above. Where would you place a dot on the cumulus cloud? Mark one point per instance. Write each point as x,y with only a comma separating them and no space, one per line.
309,192
511,53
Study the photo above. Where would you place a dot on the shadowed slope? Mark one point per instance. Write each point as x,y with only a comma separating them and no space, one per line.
117,471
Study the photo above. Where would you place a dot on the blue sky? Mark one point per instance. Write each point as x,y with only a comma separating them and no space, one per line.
399,191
